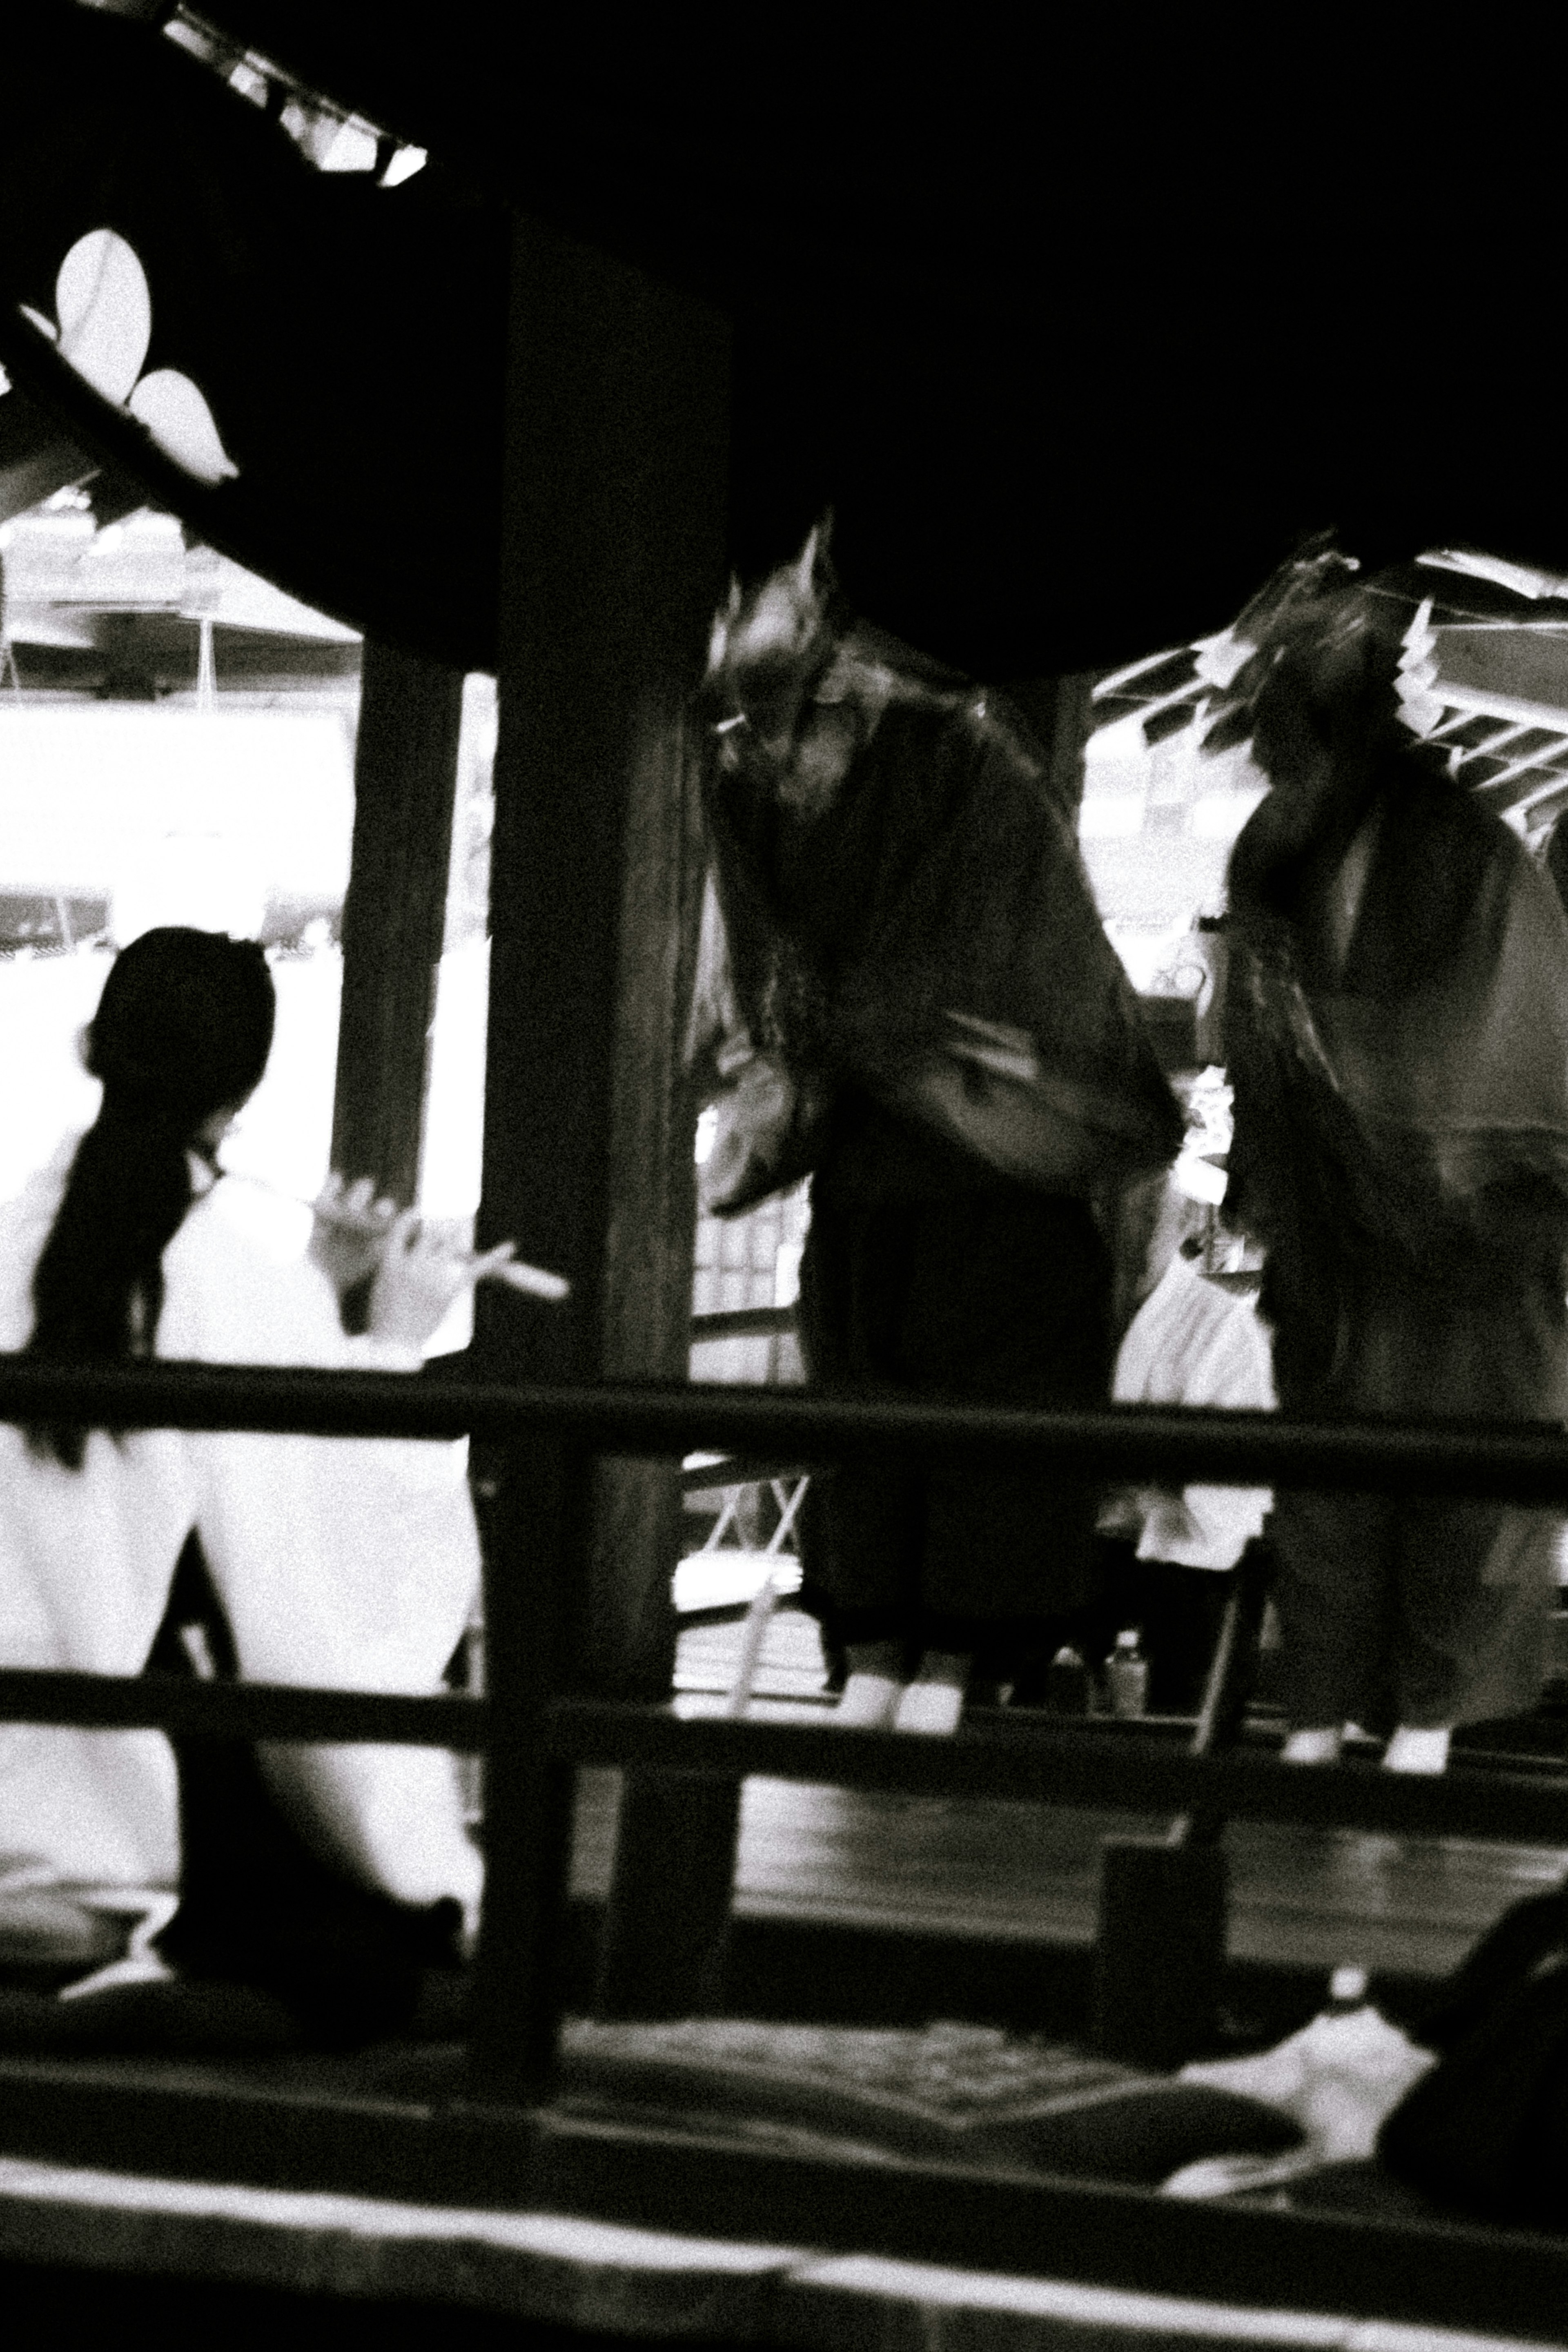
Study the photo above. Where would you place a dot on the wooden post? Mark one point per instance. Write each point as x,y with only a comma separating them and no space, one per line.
532,1617
1160,1950
406,771
1060,711
613,554
1161,1947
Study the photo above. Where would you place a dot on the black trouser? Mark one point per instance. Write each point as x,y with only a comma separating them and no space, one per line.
994,1297
257,1906
1420,1610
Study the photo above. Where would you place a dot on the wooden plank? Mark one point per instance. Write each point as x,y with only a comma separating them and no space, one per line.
275,2262
405,769
743,1323
705,2185
960,1900
1099,1764
246,1710
1523,1463
261,2267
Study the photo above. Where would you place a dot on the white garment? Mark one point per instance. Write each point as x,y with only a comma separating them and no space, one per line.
341,1562
1193,1343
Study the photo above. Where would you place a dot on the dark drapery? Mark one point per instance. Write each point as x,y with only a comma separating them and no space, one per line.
348,339
1076,359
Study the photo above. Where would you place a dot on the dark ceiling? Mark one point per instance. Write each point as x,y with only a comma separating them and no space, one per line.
1078,336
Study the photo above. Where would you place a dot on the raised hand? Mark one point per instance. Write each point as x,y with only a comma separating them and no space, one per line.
419,1275
350,1229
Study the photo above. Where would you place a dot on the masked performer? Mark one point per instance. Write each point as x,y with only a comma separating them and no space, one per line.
1397,1038
906,990
338,1562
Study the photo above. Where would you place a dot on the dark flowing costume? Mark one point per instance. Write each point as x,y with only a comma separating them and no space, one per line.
1397,1039
941,878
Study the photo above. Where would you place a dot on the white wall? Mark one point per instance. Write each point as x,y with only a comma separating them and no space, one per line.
179,815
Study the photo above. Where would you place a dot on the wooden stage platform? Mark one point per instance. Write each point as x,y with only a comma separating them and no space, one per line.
1023,1874
657,2229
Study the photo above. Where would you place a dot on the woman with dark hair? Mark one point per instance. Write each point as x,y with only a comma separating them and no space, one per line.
329,1561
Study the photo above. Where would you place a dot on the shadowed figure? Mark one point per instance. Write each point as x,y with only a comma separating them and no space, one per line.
905,989
1397,1031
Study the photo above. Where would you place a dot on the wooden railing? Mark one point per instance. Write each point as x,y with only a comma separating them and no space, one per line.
537,1725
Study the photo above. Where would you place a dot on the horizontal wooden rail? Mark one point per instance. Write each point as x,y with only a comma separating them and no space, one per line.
1019,1762
1523,1464
744,1323
713,1477
225,1711
1073,1766
1104,1767
1437,2278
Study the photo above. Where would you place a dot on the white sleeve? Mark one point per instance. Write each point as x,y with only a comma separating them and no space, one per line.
1192,1343
1208,1527
86,1559
1238,1363
341,1563
1235,1370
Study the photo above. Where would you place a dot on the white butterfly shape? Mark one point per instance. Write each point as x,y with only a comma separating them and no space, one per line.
105,315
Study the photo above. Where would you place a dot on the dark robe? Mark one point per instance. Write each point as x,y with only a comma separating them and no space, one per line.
1397,1039
953,1248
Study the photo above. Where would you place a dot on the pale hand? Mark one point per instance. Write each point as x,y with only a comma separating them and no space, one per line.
349,1232
419,1276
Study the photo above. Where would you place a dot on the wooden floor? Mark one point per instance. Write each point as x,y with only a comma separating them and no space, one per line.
1024,1872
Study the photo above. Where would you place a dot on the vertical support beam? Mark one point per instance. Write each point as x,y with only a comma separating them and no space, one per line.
612,561
1061,713
405,772
650,1207
612,553
1160,1950
530,1622
1163,1936
1073,724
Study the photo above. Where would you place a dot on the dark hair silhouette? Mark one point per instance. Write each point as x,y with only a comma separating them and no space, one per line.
183,1028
